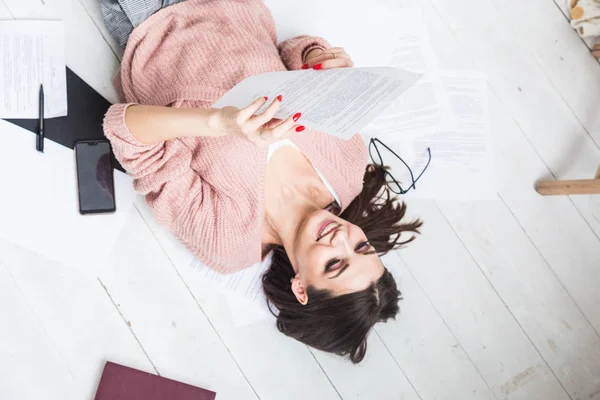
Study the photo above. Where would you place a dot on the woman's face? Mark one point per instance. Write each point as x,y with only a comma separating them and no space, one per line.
332,254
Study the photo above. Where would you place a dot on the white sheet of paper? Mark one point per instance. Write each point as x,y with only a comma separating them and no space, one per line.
339,101
244,286
39,206
243,314
424,109
388,36
462,160
32,53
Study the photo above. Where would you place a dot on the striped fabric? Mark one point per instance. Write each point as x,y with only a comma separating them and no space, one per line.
122,16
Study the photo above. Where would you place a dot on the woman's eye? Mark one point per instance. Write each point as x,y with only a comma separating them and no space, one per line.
332,265
363,246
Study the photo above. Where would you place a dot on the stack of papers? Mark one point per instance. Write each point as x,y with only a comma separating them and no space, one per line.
424,108
444,112
462,160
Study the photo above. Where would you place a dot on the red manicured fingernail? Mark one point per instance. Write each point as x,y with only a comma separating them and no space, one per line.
300,128
266,98
296,116
318,66
280,97
305,66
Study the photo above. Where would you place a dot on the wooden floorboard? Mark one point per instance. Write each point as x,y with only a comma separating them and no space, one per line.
425,347
27,353
562,58
79,319
92,7
537,300
475,313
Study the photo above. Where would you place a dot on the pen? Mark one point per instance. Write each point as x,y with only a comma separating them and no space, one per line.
40,137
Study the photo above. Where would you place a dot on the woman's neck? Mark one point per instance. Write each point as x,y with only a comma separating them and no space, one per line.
293,191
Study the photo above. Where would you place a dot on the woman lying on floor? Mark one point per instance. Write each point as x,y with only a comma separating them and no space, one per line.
234,186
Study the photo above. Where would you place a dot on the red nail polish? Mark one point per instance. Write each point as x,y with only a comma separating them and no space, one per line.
280,97
296,116
318,66
305,66
300,128
266,98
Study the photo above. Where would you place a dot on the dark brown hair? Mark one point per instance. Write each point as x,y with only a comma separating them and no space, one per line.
341,324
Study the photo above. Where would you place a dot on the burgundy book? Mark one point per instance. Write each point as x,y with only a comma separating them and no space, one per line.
124,383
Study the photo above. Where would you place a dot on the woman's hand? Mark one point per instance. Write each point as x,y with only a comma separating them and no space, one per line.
261,129
335,57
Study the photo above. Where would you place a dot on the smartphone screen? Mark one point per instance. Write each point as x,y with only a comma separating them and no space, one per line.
95,177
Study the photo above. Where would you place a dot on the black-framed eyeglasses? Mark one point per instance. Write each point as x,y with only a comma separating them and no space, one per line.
392,183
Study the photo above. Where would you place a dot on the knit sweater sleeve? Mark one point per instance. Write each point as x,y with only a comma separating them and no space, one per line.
162,172
294,50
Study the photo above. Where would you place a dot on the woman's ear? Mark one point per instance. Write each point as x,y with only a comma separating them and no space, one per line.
299,291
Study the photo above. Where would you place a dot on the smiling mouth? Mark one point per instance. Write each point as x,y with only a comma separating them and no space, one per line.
327,228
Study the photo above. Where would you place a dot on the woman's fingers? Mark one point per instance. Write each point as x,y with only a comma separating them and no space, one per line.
272,123
334,63
246,113
334,50
261,137
275,130
326,56
284,129
329,54
262,129
267,115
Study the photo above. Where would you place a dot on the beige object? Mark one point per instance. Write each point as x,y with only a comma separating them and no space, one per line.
582,186
585,17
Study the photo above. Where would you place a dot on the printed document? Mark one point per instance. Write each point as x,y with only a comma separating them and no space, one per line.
424,108
462,160
32,53
338,101
241,288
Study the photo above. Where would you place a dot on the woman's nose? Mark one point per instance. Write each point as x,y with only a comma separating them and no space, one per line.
340,239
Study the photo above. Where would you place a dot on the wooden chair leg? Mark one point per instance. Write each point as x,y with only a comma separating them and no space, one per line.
583,186
596,50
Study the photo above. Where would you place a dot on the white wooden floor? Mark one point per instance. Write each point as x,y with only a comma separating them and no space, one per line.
502,299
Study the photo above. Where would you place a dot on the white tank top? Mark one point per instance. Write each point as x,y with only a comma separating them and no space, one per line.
287,142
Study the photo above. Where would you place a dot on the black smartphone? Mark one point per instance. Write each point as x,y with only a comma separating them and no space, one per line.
95,177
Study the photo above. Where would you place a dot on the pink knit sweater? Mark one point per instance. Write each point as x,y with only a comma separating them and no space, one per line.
210,191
